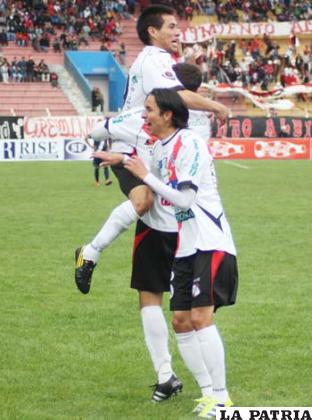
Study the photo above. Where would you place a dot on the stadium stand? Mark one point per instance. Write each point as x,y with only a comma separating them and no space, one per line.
46,29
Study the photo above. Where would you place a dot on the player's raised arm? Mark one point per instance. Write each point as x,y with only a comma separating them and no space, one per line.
197,102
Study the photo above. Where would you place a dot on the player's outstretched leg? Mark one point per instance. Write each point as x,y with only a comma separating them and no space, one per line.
87,256
83,271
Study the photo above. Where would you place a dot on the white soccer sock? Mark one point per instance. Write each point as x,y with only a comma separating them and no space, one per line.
213,353
190,351
119,220
156,338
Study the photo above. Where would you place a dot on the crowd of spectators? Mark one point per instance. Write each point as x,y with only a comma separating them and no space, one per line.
243,10
63,24
67,25
24,70
261,66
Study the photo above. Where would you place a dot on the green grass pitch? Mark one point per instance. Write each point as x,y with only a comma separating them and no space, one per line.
69,356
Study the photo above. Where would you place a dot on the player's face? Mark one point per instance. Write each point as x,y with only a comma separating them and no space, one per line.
167,37
155,121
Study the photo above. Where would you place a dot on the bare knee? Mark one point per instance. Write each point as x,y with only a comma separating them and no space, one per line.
150,299
201,317
142,199
181,321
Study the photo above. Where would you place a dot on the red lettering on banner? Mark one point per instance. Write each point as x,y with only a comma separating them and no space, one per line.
258,28
231,29
308,25
308,126
235,125
247,127
270,128
269,29
297,128
193,31
64,127
245,29
286,127
222,129
296,27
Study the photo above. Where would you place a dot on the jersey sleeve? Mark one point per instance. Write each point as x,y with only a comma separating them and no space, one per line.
126,126
157,72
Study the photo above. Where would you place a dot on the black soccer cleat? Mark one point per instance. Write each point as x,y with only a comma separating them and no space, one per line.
83,271
166,390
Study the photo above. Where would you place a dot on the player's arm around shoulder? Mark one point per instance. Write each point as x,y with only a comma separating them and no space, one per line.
197,102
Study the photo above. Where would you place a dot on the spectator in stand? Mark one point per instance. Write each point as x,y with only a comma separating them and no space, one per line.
43,71
56,45
30,65
104,46
3,38
97,99
4,70
54,79
122,53
44,42
22,68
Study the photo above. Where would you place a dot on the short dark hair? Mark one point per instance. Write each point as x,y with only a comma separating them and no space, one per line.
189,75
152,16
170,100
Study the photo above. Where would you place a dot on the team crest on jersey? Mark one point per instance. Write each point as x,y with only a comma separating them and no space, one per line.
196,287
168,75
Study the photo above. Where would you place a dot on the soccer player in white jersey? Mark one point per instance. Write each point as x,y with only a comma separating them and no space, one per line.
158,30
130,126
204,275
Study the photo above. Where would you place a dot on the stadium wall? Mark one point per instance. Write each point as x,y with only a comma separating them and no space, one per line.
61,138
87,67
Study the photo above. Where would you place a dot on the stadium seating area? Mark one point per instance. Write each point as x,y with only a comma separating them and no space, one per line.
68,25
33,99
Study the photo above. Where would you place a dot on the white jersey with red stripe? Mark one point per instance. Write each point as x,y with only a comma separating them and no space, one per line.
186,162
151,69
130,126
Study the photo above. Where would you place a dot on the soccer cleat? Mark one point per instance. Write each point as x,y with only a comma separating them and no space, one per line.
83,271
164,391
108,182
203,402
209,409
97,183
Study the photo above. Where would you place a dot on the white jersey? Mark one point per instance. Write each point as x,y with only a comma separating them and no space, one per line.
186,161
129,125
151,69
199,121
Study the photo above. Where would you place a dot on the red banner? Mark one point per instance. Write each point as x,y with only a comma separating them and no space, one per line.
276,148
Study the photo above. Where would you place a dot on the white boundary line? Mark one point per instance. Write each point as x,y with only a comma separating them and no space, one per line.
238,165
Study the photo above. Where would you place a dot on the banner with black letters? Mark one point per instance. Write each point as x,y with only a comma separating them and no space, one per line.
257,127
11,128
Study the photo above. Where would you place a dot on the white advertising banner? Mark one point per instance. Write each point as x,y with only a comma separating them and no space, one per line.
44,149
207,31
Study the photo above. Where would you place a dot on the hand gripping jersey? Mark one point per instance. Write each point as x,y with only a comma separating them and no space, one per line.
185,161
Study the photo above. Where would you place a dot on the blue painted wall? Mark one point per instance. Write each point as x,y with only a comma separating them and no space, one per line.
92,63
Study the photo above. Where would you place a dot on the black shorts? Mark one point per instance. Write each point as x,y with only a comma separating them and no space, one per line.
126,180
153,255
207,278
